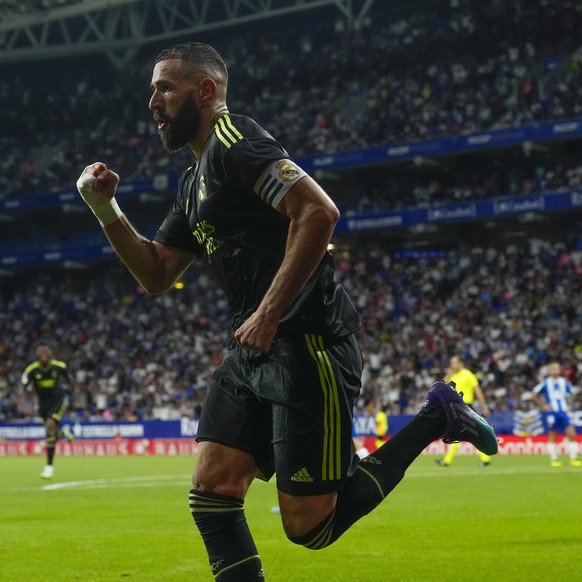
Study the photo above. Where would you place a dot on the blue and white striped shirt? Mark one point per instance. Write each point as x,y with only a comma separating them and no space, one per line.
556,392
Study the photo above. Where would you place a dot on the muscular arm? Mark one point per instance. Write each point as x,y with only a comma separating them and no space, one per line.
312,216
154,265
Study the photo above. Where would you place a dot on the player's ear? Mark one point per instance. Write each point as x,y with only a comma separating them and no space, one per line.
206,91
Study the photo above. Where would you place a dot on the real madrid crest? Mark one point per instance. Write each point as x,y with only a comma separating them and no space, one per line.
288,171
202,189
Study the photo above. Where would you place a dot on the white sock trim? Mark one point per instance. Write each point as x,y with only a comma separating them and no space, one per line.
573,450
553,451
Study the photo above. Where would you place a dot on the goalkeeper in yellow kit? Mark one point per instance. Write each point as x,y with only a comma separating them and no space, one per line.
467,383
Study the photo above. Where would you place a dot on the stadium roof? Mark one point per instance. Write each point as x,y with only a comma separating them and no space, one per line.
44,29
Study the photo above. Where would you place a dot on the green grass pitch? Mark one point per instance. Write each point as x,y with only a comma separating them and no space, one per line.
107,519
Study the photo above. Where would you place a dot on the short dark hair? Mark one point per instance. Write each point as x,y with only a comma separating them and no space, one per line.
42,344
196,53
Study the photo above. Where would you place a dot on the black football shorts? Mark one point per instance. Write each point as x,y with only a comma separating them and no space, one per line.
291,409
52,408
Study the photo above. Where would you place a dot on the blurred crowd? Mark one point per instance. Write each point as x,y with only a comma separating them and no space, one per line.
422,183
507,312
452,66
408,74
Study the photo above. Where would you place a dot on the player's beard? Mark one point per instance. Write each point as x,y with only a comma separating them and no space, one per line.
182,128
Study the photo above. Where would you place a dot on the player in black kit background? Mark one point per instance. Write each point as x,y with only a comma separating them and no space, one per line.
46,375
281,402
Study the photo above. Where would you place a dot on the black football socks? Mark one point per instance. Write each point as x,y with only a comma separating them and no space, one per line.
375,477
223,526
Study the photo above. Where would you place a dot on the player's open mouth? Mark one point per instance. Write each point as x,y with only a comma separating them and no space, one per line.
162,123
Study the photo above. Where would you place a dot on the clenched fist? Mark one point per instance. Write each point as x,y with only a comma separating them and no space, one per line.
97,186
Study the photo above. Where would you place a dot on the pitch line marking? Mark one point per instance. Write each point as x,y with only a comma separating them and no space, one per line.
143,481
159,480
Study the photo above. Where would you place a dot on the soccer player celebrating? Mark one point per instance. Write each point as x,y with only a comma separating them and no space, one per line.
467,384
555,390
45,375
282,401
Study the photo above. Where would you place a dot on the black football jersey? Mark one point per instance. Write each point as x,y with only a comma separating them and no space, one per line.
225,209
46,379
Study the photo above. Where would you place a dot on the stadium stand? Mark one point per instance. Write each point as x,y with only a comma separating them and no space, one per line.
475,82
507,301
507,310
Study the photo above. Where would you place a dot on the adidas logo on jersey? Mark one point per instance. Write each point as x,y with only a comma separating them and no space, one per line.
302,476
